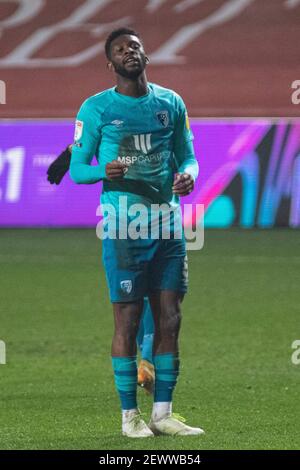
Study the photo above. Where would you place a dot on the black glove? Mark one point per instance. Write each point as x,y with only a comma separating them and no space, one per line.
59,167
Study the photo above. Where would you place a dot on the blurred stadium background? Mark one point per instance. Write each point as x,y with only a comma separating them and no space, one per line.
233,62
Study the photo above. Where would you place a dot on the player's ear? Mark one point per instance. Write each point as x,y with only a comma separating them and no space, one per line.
147,60
110,66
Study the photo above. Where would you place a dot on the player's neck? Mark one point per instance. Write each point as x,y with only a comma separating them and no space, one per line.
134,88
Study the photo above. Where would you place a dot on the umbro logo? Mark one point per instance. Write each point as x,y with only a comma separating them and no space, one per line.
117,123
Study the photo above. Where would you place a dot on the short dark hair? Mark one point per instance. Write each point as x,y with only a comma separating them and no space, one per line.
114,35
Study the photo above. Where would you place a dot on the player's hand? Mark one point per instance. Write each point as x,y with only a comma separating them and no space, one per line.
60,166
115,170
183,184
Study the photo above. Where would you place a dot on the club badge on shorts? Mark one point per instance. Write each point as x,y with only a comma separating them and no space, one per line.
126,286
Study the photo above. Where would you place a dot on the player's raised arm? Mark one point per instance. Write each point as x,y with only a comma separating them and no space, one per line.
86,141
187,164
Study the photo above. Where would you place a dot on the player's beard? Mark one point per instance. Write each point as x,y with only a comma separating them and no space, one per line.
131,74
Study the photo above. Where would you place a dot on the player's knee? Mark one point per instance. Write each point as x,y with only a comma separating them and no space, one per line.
171,321
127,329
127,323
127,337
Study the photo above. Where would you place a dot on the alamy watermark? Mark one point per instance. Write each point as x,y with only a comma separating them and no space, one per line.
295,97
2,352
295,358
154,221
2,92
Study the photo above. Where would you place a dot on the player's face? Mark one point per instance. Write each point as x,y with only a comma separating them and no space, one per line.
128,57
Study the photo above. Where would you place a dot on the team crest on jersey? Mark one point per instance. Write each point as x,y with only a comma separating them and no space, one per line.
126,286
163,117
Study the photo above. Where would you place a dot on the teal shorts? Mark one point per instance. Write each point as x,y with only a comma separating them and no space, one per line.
134,268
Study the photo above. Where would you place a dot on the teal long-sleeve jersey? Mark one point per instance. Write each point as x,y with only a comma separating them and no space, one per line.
151,134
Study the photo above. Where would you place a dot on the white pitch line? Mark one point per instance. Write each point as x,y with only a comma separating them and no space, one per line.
154,5
185,4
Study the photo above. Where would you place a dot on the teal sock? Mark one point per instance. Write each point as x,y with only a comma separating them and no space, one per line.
146,332
125,371
146,350
166,373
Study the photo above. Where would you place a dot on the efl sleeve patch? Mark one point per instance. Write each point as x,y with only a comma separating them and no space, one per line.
78,130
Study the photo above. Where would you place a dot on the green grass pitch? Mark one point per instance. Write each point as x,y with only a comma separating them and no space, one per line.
240,318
